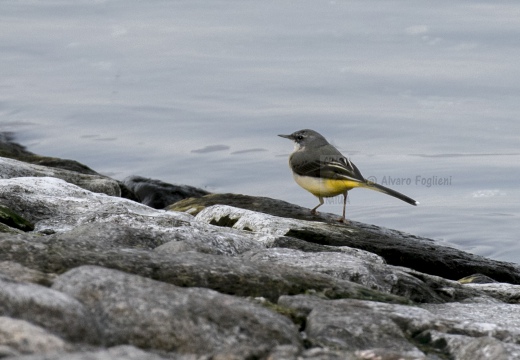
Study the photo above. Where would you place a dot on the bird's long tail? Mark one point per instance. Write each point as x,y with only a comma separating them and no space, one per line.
385,190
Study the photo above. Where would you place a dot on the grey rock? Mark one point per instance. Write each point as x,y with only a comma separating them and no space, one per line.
123,352
7,351
319,353
24,338
397,248
500,321
272,250
476,279
55,205
254,203
502,291
209,240
287,242
225,274
462,347
10,149
357,325
344,266
158,194
9,230
161,239
20,273
485,348
106,236
151,314
52,310
10,168
284,352
453,330
60,207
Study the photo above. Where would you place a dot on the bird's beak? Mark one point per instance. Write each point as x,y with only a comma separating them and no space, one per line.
286,136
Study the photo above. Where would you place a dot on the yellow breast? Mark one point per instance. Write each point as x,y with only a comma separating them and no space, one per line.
325,187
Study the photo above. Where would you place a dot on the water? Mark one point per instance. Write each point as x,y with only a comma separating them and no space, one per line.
195,92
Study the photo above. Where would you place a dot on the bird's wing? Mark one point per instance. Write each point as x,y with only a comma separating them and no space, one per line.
334,166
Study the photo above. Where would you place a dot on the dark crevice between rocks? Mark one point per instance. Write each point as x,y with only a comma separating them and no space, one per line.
224,221
12,219
422,339
424,342
309,236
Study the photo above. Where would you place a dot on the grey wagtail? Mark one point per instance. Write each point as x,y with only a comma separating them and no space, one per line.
321,169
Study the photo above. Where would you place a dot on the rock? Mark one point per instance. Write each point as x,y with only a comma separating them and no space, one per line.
161,239
356,325
476,279
454,330
319,353
502,291
54,254
158,194
54,311
21,337
254,203
10,149
500,321
60,206
397,248
287,242
209,240
344,266
125,274
10,168
9,230
470,348
19,273
151,314
55,205
13,220
123,352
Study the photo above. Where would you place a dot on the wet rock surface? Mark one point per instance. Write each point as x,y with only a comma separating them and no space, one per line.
158,194
395,247
224,276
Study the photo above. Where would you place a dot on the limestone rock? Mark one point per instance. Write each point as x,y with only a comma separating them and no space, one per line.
10,168
229,275
453,330
10,149
123,352
151,314
47,308
19,273
9,230
397,248
56,205
24,338
209,240
344,266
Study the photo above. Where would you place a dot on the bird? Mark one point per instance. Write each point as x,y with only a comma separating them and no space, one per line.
321,169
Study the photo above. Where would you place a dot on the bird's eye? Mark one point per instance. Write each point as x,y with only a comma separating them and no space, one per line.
299,137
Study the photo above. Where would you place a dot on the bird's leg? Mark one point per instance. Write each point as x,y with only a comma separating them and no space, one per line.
343,219
313,211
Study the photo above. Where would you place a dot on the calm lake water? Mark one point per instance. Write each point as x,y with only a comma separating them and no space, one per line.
423,96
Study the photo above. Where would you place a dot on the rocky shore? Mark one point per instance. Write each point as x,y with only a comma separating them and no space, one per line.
94,269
